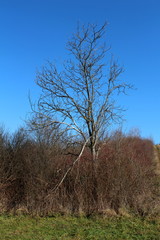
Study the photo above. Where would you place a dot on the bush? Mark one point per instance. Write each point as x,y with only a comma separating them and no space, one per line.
122,177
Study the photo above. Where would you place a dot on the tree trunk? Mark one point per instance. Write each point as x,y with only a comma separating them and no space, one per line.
94,196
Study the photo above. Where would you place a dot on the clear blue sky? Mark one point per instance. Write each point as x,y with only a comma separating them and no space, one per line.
32,31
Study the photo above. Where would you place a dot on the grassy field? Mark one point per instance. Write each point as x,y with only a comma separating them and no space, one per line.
66,228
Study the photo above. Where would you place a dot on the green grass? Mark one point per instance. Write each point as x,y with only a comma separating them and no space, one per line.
80,228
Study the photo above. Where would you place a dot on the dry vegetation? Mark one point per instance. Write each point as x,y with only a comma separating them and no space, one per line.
31,166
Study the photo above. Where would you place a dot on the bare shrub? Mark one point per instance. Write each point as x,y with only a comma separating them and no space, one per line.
31,168
127,173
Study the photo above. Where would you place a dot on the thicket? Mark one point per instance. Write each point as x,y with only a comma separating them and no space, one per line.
32,164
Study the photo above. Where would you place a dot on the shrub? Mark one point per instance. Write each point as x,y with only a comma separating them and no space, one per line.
122,177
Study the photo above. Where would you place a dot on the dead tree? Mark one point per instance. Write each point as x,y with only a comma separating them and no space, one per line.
81,97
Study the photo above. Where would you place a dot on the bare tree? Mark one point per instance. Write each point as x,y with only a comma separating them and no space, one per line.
81,97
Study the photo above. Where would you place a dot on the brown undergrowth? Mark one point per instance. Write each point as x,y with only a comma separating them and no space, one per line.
123,177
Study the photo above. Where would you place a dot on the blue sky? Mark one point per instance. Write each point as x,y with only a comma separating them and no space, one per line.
32,31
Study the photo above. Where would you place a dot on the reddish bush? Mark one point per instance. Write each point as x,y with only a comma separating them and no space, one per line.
122,176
